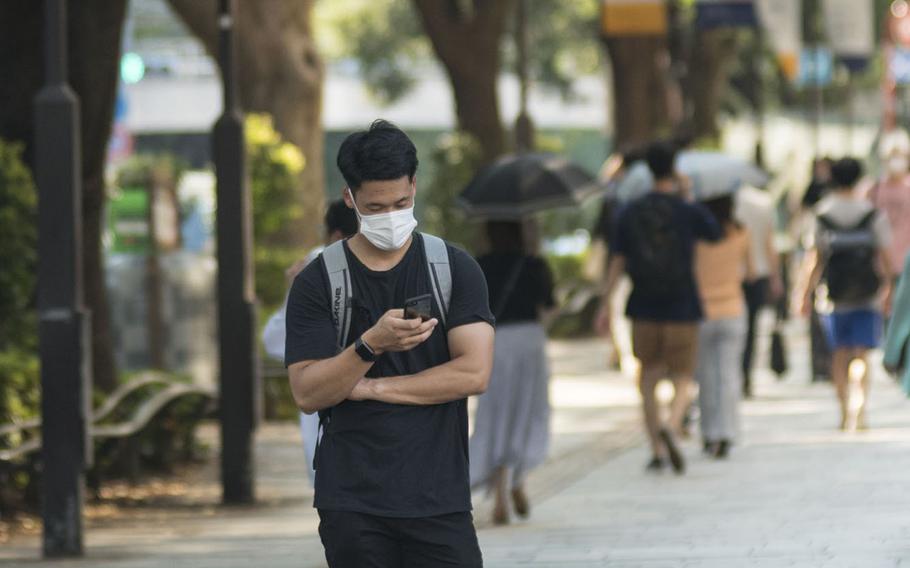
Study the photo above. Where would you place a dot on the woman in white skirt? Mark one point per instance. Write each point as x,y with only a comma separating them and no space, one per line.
720,269
512,423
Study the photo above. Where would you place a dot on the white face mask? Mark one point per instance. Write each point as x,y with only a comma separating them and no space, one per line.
387,231
898,165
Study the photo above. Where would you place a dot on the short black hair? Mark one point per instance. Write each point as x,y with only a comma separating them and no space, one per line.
661,158
722,210
383,152
846,172
340,217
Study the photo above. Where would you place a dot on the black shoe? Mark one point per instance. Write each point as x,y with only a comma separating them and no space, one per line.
676,458
709,447
655,465
722,450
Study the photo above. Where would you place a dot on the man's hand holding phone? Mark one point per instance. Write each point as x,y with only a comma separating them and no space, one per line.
394,332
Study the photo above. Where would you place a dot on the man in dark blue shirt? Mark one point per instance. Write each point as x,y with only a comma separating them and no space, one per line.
392,476
654,242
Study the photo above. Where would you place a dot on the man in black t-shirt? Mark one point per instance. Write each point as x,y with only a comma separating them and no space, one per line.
392,478
654,243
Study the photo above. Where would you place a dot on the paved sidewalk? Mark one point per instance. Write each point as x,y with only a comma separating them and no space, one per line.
795,493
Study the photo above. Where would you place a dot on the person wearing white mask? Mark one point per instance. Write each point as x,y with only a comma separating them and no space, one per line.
891,193
392,483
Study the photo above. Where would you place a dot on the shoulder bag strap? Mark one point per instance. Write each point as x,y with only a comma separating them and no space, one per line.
440,271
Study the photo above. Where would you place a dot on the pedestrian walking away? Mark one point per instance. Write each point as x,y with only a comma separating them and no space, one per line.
754,210
654,242
387,336
512,423
847,270
340,223
721,269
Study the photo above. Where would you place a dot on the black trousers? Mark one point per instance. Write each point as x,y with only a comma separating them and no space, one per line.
756,293
358,540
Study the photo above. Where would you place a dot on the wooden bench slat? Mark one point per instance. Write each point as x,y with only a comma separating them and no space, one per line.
147,411
30,424
141,416
116,397
21,450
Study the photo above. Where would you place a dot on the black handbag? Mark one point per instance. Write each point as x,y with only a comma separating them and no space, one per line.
778,353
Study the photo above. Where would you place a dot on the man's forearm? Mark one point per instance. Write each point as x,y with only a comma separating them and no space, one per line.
459,378
327,382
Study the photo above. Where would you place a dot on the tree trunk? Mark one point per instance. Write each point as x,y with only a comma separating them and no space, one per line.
279,73
638,68
95,28
712,53
466,38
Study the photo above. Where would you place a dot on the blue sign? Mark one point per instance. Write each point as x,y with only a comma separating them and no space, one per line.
854,63
899,65
710,14
816,67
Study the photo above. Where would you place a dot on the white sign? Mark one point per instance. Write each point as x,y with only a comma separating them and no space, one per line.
782,22
850,26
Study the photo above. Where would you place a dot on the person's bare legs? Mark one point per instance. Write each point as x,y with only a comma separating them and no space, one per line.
681,403
649,377
840,376
866,385
501,508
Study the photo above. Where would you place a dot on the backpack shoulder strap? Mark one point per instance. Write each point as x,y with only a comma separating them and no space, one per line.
440,272
340,292
867,220
827,223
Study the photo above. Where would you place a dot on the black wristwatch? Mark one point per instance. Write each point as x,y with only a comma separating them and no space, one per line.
364,350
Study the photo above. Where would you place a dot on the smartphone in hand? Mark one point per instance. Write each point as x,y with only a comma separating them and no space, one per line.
419,307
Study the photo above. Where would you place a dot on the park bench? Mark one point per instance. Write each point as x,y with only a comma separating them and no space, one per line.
577,302
119,425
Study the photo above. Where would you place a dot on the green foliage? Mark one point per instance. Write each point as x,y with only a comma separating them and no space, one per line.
564,40
384,37
274,168
387,41
19,377
19,384
455,160
18,241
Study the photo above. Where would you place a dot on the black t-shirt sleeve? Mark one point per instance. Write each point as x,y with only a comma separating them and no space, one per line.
704,225
310,331
470,298
617,243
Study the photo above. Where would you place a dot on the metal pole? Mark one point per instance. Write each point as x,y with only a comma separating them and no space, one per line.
524,127
239,403
759,86
63,320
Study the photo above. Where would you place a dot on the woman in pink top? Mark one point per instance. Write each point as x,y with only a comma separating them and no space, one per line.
891,194
720,269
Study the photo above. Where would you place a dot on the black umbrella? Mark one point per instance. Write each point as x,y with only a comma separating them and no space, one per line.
520,184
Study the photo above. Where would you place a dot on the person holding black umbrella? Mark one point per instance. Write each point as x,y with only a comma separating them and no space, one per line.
512,423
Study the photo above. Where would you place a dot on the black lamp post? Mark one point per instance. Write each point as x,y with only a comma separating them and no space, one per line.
236,308
63,319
